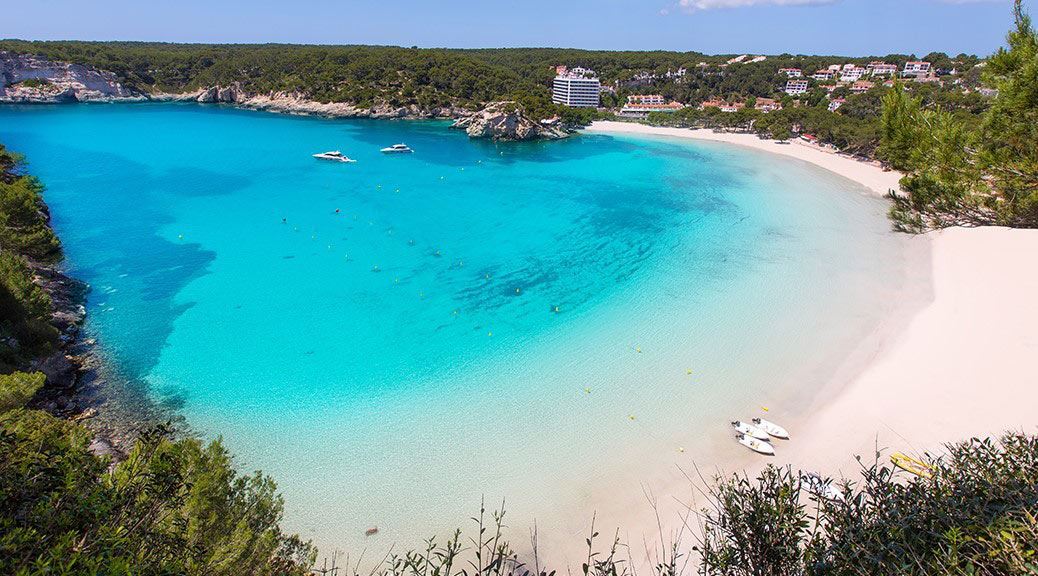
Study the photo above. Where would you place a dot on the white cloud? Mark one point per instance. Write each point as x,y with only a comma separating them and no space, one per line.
693,5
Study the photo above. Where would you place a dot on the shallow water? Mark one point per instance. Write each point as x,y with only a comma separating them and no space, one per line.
547,323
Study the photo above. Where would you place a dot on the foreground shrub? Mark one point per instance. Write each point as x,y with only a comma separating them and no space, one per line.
172,507
975,515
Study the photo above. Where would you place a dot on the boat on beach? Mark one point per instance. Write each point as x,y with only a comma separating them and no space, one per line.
397,149
758,446
334,155
820,487
771,428
911,465
750,430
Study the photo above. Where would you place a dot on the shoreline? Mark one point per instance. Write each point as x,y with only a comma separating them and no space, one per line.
950,359
957,369
870,175
881,389
941,367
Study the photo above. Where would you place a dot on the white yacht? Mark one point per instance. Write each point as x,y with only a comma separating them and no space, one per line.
334,155
397,148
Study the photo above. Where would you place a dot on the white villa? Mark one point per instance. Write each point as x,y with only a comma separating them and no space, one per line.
795,87
917,68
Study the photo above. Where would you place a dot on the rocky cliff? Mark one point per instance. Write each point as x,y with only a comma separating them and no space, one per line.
27,78
298,103
506,121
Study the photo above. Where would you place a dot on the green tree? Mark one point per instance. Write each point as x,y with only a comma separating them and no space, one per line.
957,172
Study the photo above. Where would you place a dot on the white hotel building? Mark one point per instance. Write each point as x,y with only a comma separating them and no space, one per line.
575,91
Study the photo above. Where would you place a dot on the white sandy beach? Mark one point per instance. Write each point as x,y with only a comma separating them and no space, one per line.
872,176
958,364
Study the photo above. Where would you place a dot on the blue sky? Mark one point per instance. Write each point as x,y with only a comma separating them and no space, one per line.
847,27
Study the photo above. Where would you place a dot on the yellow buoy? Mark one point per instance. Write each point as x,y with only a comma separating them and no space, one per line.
689,371
490,333
630,416
638,350
587,390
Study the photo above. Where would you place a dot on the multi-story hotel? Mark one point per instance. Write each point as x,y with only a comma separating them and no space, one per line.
575,91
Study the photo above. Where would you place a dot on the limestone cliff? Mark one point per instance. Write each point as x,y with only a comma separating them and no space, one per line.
27,78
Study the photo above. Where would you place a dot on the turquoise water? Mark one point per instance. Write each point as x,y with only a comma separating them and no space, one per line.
394,338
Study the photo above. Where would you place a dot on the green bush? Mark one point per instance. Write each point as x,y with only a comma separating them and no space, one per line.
18,388
974,516
172,507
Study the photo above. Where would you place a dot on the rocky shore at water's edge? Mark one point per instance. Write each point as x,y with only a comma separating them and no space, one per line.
76,384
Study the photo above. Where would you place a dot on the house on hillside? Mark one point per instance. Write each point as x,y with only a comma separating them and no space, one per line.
722,105
881,69
767,105
851,73
861,86
795,87
916,68
791,72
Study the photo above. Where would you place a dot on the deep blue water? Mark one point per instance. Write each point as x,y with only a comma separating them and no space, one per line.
366,331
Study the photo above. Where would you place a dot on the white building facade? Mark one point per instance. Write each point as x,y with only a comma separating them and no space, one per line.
576,91
795,87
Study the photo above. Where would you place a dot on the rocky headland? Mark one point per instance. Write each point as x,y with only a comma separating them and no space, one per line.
506,121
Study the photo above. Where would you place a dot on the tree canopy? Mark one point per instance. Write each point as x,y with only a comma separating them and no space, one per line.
963,172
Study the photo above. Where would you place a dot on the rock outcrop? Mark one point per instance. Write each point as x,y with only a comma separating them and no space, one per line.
26,78
506,121
298,103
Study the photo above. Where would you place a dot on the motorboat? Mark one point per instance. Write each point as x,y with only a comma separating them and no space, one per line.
821,488
334,155
750,430
758,446
397,149
771,428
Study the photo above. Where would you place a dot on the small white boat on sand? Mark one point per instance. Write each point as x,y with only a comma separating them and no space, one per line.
750,430
397,149
821,488
758,446
334,155
771,428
